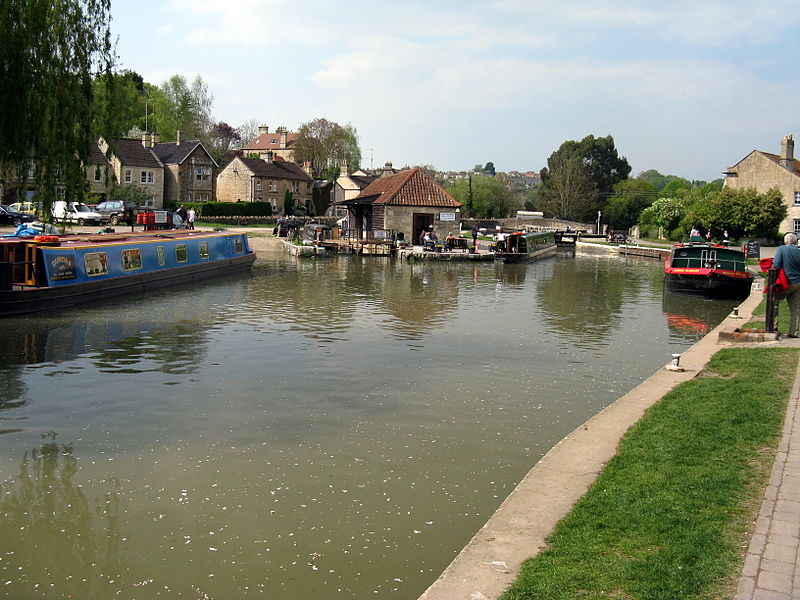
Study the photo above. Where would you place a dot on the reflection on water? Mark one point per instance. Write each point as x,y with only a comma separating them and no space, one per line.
333,429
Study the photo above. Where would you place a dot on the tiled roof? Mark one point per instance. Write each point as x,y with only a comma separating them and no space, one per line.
776,159
409,188
276,170
97,157
269,141
362,181
133,153
174,153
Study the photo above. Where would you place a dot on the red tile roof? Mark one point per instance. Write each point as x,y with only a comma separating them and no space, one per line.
409,188
776,159
269,141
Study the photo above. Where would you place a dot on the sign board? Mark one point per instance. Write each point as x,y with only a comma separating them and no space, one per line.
161,216
752,249
448,216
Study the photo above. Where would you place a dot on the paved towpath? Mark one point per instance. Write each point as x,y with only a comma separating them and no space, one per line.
771,570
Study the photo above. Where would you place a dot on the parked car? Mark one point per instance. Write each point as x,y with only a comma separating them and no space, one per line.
76,212
9,216
118,211
31,208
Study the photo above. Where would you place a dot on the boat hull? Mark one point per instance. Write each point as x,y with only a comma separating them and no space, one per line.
28,300
519,257
711,285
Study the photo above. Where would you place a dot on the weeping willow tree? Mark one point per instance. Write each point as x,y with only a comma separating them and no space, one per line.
50,52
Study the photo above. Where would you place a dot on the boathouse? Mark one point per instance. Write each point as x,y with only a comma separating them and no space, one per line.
401,206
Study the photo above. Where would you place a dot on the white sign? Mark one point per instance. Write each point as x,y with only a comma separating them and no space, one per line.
161,216
447,216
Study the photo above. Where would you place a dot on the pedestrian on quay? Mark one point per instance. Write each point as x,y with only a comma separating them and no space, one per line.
190,218
788,258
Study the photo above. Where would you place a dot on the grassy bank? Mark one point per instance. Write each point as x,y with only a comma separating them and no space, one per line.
668,516
757,320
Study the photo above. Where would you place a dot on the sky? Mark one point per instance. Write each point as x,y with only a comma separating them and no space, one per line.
686,87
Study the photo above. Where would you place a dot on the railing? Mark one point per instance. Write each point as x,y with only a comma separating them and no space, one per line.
388,235
706,263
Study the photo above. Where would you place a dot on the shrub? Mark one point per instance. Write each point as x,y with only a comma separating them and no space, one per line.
230,209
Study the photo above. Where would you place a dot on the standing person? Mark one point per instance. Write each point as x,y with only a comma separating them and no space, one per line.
190,218
475,231
708,235
788,258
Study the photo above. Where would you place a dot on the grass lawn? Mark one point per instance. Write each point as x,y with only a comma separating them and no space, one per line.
757,321
668,517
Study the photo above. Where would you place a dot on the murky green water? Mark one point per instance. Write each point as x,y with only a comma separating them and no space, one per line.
330,429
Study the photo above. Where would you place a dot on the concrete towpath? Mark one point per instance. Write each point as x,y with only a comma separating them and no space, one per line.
490,562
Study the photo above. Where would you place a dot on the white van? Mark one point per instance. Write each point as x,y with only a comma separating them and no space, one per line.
75,212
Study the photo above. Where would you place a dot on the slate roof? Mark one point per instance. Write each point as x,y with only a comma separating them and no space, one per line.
174,153
408,188
132,153
270,141
97,157
276,170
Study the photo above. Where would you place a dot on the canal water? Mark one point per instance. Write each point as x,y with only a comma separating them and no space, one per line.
314,429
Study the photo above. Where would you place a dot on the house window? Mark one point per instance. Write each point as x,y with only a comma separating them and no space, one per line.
296,187
273,185
203,173
797,198
146,177
128,175
97,174
258,185
796,225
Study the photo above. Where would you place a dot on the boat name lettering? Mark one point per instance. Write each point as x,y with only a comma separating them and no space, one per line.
63,267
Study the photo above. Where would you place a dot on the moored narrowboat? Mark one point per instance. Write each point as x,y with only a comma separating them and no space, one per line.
45,272
712,270
521,246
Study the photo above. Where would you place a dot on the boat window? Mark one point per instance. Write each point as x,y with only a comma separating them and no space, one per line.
96,263
237,243
132,259
162,259
180,253
204,250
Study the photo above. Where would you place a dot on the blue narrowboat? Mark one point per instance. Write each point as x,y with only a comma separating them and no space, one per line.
45,272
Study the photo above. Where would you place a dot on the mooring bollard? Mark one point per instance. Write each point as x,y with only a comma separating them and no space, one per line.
675,365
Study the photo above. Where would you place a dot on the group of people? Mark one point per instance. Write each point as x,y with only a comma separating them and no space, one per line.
695,233
187,216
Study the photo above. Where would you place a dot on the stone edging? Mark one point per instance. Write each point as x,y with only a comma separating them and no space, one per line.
491,560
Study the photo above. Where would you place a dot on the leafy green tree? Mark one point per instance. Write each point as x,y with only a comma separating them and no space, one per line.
665,213
223,140
602,166
567,190
743,213
327,144
181,106
120,104
630,198
130,192
50,51
491,197
288,203
488,169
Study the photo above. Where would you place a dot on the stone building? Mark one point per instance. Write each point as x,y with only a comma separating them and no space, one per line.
134,163
264,180
99,174
189,170
406,203
280,143
764,171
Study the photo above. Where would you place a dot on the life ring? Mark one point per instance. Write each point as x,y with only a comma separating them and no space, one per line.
47,239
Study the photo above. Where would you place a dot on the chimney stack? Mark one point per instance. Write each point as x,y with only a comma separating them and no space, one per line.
282,131
787,152
262,129
344,169
147,139
156,138
269,157
178,137
307,168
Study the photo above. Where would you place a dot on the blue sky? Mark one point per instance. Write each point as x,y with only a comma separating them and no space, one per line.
685,87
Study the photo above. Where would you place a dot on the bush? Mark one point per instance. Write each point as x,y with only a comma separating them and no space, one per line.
230,209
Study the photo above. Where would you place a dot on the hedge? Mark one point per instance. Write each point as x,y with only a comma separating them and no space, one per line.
230,209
